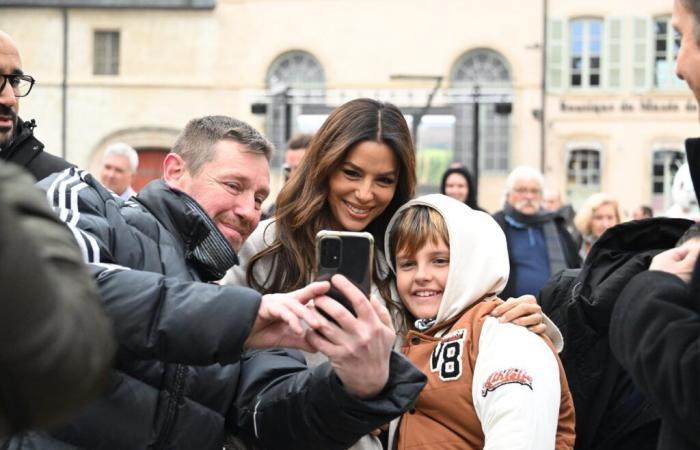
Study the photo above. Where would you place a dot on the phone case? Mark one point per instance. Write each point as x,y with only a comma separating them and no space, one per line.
355,259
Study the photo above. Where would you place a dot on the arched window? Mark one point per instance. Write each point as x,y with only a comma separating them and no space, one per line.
490,72
483,67
292,79
296,69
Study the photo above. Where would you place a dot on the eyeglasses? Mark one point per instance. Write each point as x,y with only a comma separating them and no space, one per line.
21,84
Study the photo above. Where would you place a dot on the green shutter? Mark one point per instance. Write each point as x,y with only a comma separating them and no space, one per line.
612,53
556,55
642,54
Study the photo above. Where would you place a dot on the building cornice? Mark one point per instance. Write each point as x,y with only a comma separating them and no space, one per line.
112,4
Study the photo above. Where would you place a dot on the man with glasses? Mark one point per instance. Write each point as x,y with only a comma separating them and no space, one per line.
17,141
538,244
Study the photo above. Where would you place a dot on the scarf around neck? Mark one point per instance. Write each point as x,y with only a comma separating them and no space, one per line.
213,255
545,219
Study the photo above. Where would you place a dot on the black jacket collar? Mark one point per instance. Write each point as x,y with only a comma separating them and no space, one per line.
169,206
23,132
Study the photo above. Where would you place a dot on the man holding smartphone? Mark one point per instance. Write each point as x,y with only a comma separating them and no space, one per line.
184,378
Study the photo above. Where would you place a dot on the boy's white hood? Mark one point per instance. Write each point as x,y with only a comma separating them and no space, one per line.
479,264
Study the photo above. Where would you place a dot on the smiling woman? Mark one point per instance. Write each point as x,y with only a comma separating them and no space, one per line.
357,171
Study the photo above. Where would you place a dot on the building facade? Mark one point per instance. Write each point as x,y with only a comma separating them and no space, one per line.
612,117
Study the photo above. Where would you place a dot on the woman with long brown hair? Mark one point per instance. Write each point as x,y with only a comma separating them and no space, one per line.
359,168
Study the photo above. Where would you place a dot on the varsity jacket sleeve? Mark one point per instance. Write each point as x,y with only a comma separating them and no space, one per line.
310,409
56,343
655,335
157,317
516,388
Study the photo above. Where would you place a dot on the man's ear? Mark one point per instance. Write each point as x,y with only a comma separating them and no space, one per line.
174,169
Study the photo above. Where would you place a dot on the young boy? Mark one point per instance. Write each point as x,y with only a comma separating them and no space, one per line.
490,385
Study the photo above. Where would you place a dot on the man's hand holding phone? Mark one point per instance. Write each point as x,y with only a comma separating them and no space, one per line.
359,347
280,316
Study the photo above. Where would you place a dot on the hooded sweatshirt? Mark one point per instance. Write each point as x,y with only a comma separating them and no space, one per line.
490,385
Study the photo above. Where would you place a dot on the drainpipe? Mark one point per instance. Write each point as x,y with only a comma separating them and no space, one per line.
64,85
543,116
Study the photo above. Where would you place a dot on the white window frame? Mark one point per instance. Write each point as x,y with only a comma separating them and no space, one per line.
577,192
665,197
586,70
495,130
669,55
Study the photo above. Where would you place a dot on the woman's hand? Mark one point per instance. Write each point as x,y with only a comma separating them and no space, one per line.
523,311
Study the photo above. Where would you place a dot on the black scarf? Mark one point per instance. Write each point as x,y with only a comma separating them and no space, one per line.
213,254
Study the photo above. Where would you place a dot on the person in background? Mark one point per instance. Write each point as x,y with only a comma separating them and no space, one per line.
456,183
538,243
17,141
552,201
119,165
490,384
599,212
296,148
642,212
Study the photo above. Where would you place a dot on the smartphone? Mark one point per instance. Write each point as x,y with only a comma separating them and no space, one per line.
348,253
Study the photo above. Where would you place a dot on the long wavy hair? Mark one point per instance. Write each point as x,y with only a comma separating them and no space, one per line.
302,207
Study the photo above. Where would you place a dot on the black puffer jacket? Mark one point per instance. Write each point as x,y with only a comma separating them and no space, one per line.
611,413
25,150
182,379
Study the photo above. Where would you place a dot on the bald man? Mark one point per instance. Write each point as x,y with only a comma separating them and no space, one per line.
17,141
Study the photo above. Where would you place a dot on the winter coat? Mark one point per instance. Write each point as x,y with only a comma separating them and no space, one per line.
26,150
183,379
655,334
611,411
56,344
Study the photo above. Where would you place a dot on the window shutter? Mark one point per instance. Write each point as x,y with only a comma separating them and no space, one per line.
642,54
556,55
612,53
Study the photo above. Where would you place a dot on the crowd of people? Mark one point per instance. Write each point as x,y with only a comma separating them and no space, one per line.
176,319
